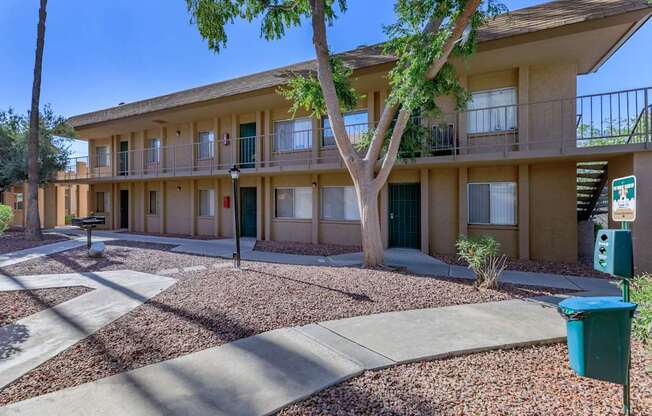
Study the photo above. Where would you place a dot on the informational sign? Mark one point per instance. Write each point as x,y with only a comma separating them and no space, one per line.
623,199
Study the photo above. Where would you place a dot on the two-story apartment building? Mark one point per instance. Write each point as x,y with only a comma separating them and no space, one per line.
524,163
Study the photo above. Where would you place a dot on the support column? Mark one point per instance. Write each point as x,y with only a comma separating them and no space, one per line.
216,146
163,134
315,209
90,198
259,208
523,203
425,211
463,204
115,188
258,145
131,206
384,213
145,200
371,109
268,208
461,121
316,139
193,208
234,139
162,207
267,140
192,128
218,207
523,108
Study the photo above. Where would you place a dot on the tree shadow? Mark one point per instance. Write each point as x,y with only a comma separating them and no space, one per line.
11,337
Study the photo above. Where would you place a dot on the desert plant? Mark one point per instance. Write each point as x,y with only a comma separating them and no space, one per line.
483,258
6,215
641,293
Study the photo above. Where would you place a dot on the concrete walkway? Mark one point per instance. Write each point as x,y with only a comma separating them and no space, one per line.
31,341
263,373
413,261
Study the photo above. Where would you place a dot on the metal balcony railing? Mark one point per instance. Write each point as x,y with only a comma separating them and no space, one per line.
579,123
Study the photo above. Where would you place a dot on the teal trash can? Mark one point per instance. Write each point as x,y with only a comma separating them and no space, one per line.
599,330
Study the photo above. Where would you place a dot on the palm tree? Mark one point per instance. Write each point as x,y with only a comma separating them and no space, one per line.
33,229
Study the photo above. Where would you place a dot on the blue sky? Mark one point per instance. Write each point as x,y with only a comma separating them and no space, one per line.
102,52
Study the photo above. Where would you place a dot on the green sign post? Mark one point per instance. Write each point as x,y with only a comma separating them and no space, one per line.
623,209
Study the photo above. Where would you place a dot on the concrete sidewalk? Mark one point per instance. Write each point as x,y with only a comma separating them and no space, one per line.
263,373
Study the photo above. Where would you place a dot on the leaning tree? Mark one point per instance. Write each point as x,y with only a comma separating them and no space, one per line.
423,38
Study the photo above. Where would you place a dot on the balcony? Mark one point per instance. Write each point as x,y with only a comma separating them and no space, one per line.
596,123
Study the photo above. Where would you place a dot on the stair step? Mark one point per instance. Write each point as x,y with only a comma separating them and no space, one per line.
592,176
592,166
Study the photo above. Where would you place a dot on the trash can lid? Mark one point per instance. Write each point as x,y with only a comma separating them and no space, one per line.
595,303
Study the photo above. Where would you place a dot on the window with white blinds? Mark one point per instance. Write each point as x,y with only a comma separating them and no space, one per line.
492,203
291,135
492,111
206,202
293,203
339,203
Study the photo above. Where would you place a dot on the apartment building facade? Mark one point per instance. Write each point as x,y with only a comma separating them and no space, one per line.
525,162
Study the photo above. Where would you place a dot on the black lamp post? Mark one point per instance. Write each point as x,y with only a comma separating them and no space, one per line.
235,174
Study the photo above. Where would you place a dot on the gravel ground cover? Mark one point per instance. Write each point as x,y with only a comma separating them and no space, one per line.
17,304
15,240
293,247
119,255
583,269
210,308
529,381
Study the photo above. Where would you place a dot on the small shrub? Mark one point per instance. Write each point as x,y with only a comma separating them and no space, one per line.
482,256
641,293
6,215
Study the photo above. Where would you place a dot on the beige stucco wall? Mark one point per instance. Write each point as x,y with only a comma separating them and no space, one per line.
642,227
443,221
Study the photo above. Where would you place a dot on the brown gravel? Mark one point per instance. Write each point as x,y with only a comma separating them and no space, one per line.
306,249
15,240
119,255
529,381
582,269
17,304
210,308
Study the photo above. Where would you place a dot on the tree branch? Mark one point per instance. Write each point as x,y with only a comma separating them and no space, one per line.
392,151
460,25
373,153
325,76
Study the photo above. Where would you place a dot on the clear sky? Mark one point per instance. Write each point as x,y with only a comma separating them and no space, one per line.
99,53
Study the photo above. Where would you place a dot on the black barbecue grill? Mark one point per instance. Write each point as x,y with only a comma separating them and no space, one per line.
88,223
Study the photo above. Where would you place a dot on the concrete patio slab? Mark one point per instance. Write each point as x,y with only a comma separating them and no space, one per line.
35,339
253,376
20,256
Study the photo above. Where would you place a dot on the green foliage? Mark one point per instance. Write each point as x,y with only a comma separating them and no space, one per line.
54,146
482,256
641,293
416,48
6,215
412,144
276,16
305,92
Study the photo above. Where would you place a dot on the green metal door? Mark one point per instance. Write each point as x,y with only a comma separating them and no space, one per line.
404,215
248,212
248,145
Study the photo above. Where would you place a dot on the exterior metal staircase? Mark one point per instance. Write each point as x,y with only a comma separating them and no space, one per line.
592,194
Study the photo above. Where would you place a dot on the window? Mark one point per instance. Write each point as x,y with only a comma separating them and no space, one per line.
206,202
101,201
205,144
293,202
356,122
19,201
102,156
153,203
492,203
492,111
154,151
339,203
290,135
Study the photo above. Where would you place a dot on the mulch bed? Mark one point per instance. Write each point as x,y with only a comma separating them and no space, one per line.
529,381
119,255
15,240
210,308
17,304
306,249
582,269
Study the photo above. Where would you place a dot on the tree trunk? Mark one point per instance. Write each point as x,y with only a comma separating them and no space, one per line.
33,228
372,241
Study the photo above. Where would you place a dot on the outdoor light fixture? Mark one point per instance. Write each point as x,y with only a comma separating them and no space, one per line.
235,174
178,133
314,184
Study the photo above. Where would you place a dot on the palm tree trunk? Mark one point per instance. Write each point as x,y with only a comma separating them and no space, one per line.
33,228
